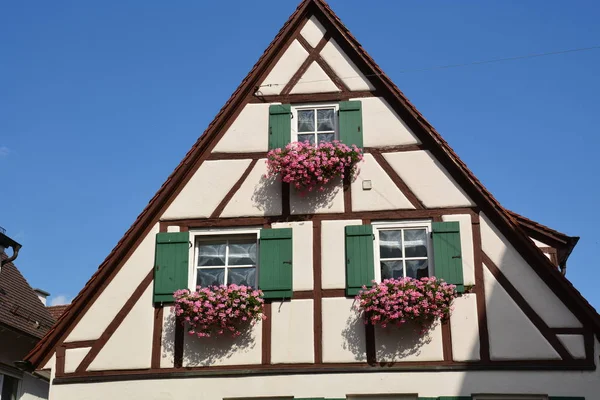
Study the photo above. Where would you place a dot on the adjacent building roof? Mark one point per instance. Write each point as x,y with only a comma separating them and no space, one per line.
563,243
20,307
500,217
57,311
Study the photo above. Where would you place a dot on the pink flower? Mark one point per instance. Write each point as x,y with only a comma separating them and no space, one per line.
199,309
394,301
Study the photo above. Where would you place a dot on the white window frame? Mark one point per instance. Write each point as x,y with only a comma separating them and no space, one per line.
394,225
312,106
207,233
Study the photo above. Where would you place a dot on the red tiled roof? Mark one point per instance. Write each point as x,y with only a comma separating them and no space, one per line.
20,307
57,311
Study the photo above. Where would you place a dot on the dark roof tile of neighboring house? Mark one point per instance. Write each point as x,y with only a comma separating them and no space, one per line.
57,311
20,307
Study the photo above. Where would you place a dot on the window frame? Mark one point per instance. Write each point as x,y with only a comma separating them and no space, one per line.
197,234
315,106
17,378
395,225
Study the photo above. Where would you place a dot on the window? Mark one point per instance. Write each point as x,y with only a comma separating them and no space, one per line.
230,259
8,387
402,250
315,124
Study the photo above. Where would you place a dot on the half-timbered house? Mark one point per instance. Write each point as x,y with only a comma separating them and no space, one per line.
519,329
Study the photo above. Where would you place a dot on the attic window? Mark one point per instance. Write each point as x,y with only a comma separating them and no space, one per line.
315,124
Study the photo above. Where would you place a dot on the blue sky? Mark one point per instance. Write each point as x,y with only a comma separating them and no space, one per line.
99,101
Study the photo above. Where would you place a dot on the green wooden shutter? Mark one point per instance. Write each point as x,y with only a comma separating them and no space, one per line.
170,265
447,253
360,268
280,125
275,266
351,123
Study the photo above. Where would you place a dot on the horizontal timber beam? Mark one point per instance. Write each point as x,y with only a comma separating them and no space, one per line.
371,215
325,368
311,97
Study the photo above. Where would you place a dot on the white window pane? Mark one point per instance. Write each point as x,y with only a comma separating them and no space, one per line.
307,138
210,276
306,120
242,276
416,268
325,119
211,254
390,244
242,252
326,137
391,270
415,242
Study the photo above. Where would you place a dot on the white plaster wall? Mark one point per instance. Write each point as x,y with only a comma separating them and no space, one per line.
173,228
384,194
512,334
249,131
313,31
428,180
104,309
134,334
464,326
574,344
292,332
283,71
167,353
333,254
205,190
314,80
302,239
406,343
73,358
223,349
331,200
426,384
50,363
466,245
382,126
344,68
524,278
258,196
33,388
538,243
343,332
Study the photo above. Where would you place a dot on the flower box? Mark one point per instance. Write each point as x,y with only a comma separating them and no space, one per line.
396,301
308,167
219,309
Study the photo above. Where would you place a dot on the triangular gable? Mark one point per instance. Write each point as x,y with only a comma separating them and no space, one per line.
317,20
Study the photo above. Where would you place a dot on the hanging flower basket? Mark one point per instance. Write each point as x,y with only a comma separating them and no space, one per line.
308,167
397,301
219,309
